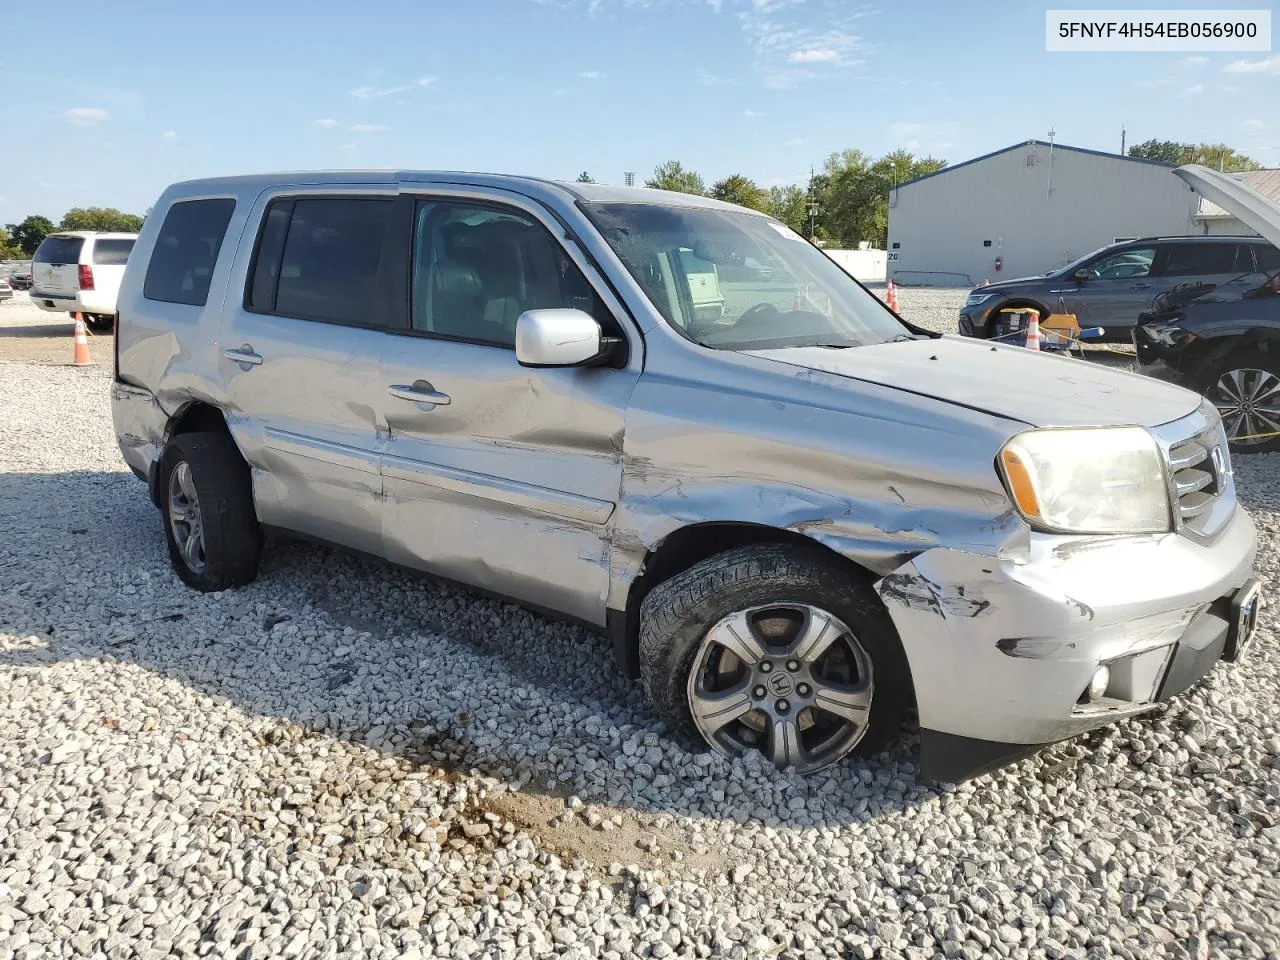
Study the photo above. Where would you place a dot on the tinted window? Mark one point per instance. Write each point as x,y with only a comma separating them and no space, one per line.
329,265
1268,257
1133,262
1200,259
476,269
59,250
111,253
186,250
266,264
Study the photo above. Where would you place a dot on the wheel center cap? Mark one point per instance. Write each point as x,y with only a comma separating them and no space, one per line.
781,685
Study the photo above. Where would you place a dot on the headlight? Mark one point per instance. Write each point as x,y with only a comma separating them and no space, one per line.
1167,332
1091,480
976,298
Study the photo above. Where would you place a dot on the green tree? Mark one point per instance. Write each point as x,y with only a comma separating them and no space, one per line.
101,218
1213,155
8,249
789,204
1167,151
28,234
585,177
741,190
673,176
853,193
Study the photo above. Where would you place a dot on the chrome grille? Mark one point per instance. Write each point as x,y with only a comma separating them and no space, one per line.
1196,469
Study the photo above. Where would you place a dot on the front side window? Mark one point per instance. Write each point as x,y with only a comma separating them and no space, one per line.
1124,265
1202,259
476,268
739,281
186,251
113,252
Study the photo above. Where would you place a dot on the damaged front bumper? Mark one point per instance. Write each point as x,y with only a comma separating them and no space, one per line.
1002,650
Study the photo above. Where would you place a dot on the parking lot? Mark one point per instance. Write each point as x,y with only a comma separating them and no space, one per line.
349,758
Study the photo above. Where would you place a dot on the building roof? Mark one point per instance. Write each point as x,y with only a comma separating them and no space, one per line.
1039,143
1266,182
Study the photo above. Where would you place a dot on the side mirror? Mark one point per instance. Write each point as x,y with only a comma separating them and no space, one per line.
1082,275
559,337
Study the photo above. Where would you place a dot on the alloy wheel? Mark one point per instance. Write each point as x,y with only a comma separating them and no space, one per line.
184,517
1249,401
788,679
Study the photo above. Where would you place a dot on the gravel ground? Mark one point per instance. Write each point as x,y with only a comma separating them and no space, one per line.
346,759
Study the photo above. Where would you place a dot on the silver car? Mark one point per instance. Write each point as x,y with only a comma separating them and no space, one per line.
802,521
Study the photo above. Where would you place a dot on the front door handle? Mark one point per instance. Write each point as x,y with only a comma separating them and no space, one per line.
243,354
420,391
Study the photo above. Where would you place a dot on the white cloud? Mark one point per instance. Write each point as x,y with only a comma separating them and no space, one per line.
86,116
752,113
1196,61
591,75
170,135
709,79
348,148
814,55
373,93
1192,90
1253,124
1267,65
795,142
367,128
785,48
326,123
909,135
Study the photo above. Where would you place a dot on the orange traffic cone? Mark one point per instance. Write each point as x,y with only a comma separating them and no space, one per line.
1033,331
82,357
891,296
798,305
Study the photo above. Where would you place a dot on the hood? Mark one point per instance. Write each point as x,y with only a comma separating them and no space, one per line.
1236,197
1001,284
1010,382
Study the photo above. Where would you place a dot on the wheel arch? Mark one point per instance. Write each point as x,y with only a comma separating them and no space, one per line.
681,549
194,416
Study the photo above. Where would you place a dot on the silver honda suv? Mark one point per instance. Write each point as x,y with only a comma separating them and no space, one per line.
802,520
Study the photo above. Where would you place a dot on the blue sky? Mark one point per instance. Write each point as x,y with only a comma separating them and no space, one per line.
169,91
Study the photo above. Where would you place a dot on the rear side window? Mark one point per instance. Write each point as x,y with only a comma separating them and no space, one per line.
111,252
1268,257
318,259
186,250
1201,259
59,250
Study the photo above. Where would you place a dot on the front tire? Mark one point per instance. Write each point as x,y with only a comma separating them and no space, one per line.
206,501
1245,387
779,649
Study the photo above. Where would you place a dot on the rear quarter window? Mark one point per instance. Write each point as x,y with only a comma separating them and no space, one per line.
59,250
186,251
112,252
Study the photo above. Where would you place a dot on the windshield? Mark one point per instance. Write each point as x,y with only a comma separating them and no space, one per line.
1077,263
739,281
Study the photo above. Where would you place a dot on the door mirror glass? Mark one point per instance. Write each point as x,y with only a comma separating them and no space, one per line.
558,337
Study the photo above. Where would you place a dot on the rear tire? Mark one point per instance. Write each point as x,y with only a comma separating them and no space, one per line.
206,501
99,323
782,596
1245,387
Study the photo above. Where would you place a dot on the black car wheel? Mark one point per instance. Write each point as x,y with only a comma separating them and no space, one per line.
1245,387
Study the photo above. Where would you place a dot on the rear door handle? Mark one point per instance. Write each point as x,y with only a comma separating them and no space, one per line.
243,354
420,391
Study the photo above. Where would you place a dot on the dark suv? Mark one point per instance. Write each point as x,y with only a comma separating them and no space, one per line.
1110,287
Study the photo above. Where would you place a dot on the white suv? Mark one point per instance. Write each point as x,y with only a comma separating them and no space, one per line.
80,272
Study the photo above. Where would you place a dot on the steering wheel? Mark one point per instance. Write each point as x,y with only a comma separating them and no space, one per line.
747,316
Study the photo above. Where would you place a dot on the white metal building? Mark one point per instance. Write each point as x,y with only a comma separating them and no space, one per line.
1212,219
1026,209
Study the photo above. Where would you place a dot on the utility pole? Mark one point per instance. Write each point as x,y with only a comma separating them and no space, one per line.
813,208
1122,141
